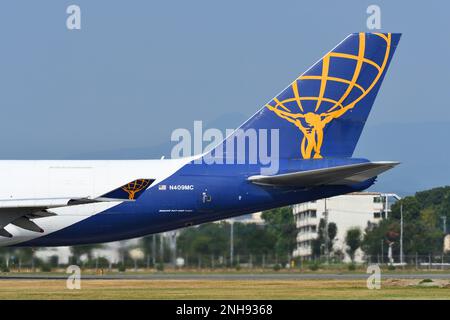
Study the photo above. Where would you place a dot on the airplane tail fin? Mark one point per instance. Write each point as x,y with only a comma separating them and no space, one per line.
322,113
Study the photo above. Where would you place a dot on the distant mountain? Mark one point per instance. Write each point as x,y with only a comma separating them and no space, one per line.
422,149
226,121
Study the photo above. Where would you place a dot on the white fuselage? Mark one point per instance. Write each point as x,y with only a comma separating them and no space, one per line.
22,181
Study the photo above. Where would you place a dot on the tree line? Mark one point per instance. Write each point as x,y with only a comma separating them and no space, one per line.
424,219
424,226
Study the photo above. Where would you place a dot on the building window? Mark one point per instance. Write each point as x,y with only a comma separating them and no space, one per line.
377,215
313,213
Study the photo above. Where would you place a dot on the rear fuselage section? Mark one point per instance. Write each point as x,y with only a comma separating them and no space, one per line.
184,193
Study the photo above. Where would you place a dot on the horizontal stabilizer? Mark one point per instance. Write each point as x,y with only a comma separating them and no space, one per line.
341,175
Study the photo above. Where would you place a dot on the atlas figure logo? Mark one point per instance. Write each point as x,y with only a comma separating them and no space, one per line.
134,187
328,90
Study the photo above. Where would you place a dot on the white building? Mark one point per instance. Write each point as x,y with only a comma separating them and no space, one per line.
346,211
249,218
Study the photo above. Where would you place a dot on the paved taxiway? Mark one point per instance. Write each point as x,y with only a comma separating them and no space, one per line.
224,276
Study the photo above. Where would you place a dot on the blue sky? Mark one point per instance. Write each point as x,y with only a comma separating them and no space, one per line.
139,69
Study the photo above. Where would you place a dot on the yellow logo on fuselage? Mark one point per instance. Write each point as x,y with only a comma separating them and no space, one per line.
313,123
134,187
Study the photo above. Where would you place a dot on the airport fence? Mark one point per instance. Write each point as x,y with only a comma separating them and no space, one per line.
429,261
226,262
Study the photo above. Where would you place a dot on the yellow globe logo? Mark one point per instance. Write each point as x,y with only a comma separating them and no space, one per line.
323,107
134,187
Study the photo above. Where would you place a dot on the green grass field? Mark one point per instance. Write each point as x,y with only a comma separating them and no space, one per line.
213,289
